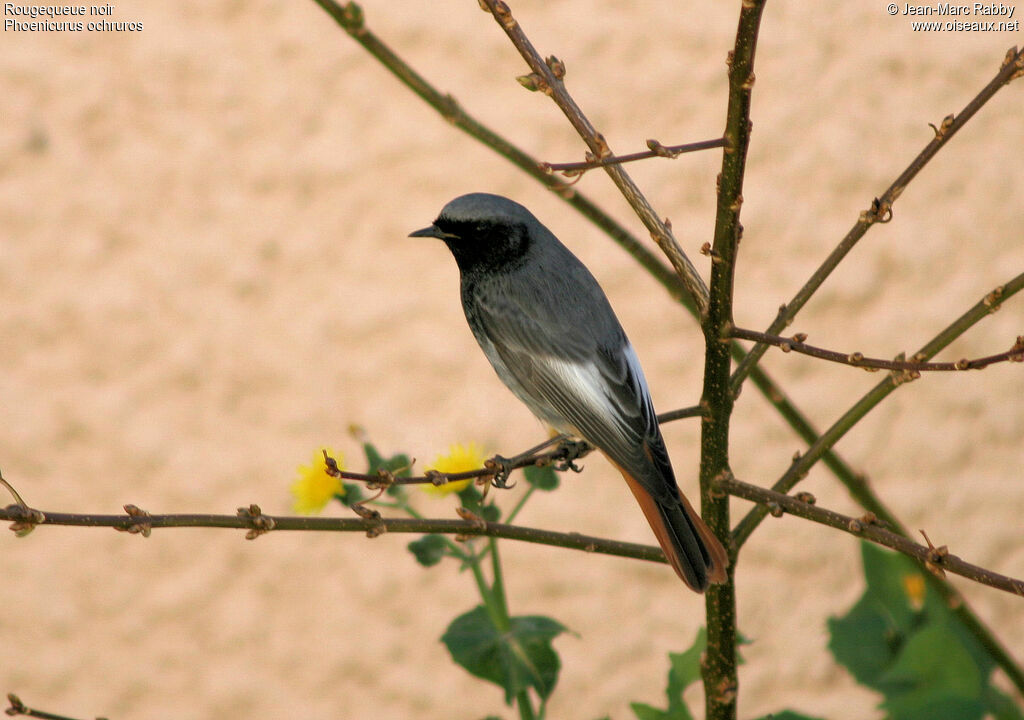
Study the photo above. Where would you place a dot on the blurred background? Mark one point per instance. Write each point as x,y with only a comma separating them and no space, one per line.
205,275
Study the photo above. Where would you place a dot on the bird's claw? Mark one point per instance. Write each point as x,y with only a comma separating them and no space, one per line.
502,467
568,452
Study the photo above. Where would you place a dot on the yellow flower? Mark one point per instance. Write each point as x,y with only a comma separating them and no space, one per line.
913,586
315,487
460,458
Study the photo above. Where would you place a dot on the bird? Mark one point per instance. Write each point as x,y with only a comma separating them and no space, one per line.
549,332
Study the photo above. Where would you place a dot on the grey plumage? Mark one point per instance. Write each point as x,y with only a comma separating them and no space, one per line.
549,332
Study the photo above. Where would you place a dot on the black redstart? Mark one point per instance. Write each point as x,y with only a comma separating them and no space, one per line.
548,330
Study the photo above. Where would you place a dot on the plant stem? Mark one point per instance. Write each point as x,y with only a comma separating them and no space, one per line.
498,585
721,681
520,504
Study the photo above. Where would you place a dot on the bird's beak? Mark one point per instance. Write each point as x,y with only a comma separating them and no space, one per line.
433,231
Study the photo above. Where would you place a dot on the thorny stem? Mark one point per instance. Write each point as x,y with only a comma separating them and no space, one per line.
881,208
719,666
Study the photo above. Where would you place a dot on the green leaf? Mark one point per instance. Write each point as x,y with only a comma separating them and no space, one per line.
686,666
933,674
684,670
787,715
1002,706
542,478
353,494
518,659
470,498
429,549
869,638
902,640
864,641
643,711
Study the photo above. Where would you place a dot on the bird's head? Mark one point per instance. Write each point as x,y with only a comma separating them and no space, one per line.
484,231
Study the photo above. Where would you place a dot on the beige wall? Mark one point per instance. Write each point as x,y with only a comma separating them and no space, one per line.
204,275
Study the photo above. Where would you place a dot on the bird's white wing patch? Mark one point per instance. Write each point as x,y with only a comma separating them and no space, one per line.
588,401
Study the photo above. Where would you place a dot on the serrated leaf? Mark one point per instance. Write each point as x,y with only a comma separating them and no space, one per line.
686,665
684,670
470,497
543,478
374,459
516,660
869,637
429,549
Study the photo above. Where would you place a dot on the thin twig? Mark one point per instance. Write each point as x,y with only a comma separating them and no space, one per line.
575,169
802,464
881,207
350,18
551,84
561,457
796,344
868,527
375,526
17,707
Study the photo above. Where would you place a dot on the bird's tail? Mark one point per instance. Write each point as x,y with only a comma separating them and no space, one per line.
692,549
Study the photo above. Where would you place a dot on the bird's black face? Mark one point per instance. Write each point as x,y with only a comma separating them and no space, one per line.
480,244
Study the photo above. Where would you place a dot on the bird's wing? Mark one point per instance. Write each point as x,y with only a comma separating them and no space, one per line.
577,361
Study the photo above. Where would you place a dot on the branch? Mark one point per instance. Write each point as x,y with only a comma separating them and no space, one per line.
881,207
720,662
136,521
350,18
549,81
139,522
577,169
496,469
796,344
803,463
17,707
870,528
